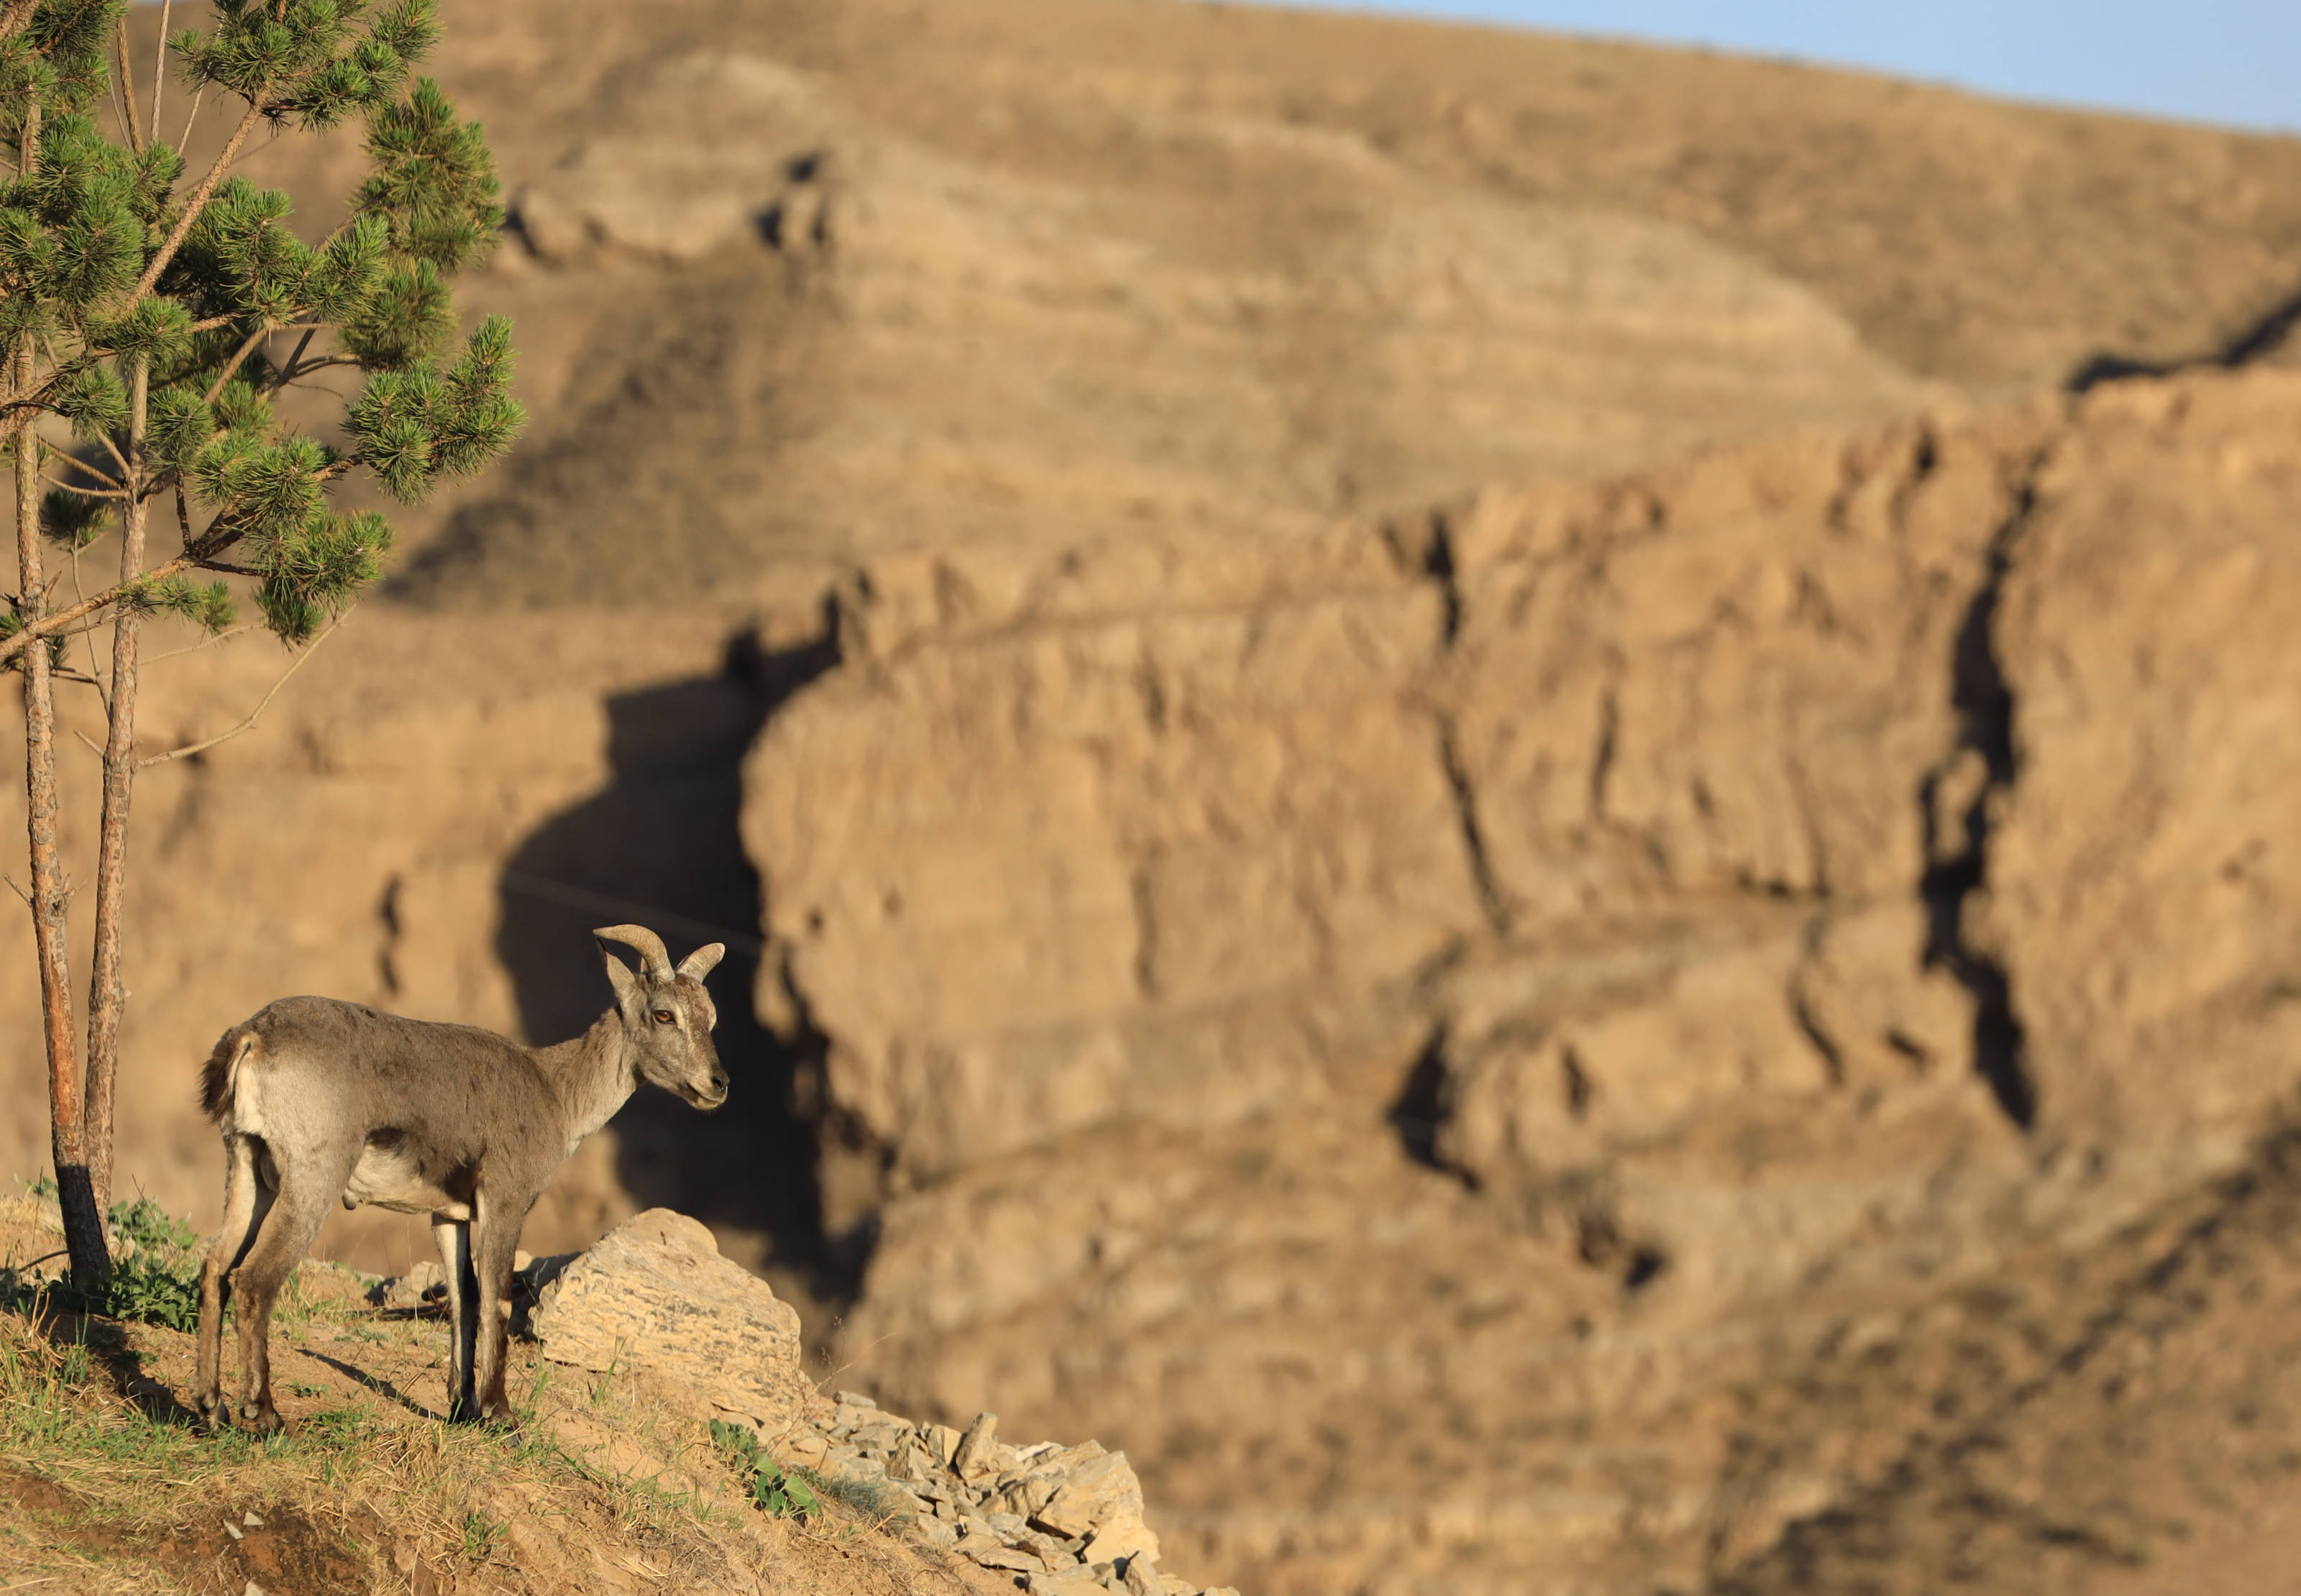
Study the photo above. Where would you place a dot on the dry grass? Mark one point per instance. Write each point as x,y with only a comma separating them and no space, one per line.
106,1484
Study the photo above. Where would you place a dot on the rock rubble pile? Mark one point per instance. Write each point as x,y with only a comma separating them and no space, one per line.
1063,1519
654,1298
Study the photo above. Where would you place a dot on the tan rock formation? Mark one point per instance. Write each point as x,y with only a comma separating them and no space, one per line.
654,1296
1679,862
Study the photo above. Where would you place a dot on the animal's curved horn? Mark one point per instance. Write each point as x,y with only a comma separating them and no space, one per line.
655,958
699,964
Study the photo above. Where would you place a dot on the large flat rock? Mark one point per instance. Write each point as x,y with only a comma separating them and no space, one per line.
654,1296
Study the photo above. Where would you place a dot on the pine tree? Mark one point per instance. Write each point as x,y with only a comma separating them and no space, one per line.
148,320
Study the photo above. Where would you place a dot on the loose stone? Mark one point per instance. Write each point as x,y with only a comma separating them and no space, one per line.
975,1455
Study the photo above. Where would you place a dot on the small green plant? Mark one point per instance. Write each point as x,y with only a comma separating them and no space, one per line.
528,1409
149,1224
775,1492
148,1289
158,1282
42,1186
479,1537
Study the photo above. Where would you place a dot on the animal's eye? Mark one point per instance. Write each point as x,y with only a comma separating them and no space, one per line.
663,1016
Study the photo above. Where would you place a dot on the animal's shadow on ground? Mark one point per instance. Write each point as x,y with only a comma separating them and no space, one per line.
660,846
381,1387
106,1345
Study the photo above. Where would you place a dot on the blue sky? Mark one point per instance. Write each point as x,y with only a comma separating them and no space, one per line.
2232,62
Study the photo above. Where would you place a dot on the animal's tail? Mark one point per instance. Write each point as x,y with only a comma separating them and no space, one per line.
219,1075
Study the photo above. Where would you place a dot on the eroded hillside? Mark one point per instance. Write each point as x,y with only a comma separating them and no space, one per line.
1494,989
1287,935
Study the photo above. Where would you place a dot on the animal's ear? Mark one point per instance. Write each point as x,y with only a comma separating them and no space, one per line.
699,964
629,994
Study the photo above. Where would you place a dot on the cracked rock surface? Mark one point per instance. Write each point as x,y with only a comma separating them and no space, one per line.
1481,988
654,1295
1060,1518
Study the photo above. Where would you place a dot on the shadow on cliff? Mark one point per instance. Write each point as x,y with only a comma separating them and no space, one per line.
660,846
2264,337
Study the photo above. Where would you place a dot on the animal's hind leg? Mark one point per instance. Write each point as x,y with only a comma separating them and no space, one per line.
453,1237
285,1236
247,1199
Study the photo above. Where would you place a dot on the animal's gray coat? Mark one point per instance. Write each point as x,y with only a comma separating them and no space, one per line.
321,1100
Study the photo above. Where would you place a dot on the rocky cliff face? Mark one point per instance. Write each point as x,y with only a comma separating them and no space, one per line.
1438,1033
1469,993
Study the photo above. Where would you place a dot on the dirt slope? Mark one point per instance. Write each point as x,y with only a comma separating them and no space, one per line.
2116,1421
610,1484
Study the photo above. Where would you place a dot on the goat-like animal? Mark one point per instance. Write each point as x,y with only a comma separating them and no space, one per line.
318,1098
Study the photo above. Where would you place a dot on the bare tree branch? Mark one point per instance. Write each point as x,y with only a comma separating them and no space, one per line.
78,465
118,459
249,723
196,203
198,95
127,91
220,535
89,637
297,374
53,625
287,372
160,65
112,92
209,641
263,329
84,492
17,17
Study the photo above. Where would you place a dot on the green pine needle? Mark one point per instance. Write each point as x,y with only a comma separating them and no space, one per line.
409,316
207,605
156,330
181,424
72,519
93,400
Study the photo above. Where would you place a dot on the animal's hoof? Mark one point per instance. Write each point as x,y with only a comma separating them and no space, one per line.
211,1411
266,1421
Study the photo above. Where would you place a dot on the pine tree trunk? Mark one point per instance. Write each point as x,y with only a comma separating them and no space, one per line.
91,1261
106,995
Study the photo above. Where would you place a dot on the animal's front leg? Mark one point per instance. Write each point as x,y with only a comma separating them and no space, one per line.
453,1237
495,1239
